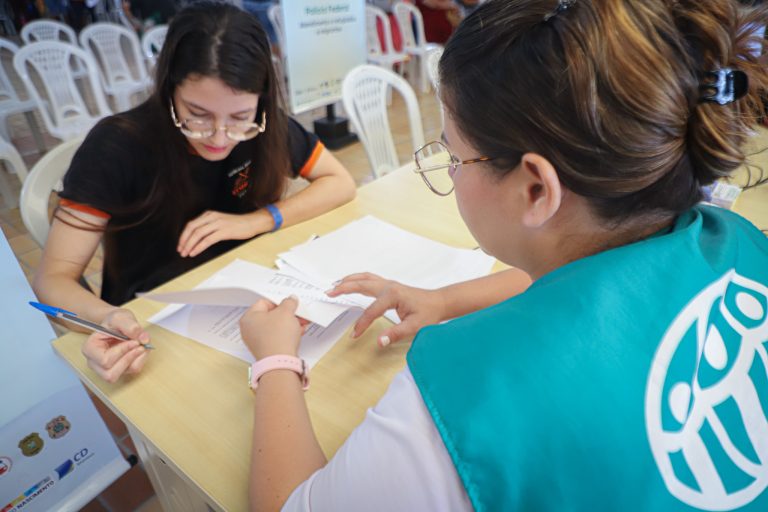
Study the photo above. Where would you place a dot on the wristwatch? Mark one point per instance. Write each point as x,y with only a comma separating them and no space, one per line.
267,364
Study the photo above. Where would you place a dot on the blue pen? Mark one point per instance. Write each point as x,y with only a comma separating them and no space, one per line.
72,317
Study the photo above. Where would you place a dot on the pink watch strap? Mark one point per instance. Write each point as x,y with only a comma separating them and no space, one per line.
279,362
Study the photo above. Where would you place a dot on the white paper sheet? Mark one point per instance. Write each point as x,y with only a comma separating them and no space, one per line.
218,327
371,245
210,314
242,283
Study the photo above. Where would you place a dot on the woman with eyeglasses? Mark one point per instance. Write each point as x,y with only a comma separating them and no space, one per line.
191,173
632,374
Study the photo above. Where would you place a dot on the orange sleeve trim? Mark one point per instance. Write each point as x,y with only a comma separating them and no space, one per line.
312,160
83,208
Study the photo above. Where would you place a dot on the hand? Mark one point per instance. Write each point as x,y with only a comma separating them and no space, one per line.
212,227
415,307
109,357
270,330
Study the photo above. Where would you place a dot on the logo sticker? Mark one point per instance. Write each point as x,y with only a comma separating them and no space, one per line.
706,402
65,468
31,445
58,427
5,465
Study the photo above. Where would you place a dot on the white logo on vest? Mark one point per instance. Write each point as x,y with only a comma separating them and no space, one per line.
706,400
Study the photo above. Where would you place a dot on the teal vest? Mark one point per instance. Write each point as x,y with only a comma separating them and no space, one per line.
632,380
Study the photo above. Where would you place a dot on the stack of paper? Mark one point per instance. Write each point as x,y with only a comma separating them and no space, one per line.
210,313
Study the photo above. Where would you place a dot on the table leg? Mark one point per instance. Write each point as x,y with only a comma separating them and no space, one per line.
174,492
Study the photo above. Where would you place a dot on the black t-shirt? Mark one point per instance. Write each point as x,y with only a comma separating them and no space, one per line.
112,172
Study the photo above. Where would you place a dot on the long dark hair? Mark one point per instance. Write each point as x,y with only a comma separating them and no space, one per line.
608,91
206,39
209,39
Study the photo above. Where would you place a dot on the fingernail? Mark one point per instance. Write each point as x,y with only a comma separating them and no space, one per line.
355,334
384,341
294,297
144,337
329,291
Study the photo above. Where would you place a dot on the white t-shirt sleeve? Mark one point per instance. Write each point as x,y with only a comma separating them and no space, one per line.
394,460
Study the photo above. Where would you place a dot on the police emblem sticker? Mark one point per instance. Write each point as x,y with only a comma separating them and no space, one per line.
705,418
31,445
5,465
58,427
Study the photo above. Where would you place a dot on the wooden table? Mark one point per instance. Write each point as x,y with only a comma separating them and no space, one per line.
190,411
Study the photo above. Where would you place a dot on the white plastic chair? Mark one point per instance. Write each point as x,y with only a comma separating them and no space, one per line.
44,179
275,15
47,30
14,164
433,63
61,103
415,42
377,54
117,14
10,101
122,70
151,43
364,93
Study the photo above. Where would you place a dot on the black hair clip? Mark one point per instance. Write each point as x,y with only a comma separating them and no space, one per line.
562,5
723,86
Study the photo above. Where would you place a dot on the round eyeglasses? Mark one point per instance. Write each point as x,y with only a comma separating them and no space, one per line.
436,165
204,128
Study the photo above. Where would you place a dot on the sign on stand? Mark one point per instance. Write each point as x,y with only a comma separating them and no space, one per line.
55,451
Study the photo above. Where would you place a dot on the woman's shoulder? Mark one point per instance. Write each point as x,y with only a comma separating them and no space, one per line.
132,124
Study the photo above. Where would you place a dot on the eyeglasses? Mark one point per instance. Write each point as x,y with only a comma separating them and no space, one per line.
203,128
437,165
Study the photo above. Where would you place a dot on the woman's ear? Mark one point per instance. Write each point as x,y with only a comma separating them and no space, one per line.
542,190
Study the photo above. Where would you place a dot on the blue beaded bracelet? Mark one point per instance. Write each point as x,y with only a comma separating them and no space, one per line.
276,216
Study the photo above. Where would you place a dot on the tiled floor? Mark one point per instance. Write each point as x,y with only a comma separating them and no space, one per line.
133,492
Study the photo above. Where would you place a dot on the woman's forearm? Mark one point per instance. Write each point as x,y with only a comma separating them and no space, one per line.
285,451
65,292
469,296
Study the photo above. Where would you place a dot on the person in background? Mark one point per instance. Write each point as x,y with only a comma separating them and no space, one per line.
440,18
196,170
632,374
79,14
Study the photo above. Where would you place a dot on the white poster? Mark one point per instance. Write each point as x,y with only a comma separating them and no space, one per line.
55,451
325,39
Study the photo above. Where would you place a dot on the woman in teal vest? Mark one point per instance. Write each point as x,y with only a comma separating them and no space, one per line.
632,374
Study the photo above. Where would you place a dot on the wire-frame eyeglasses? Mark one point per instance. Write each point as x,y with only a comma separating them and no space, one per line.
203,128
437,165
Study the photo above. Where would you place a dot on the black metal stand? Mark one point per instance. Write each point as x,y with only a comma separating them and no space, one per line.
334,131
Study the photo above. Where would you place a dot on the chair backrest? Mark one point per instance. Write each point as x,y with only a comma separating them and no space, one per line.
433,63
373,17
275,15
11,157
364,93
47,30
117,14
46,68
152,42
8,92
45,178
117,51
411,25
